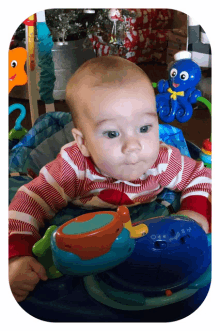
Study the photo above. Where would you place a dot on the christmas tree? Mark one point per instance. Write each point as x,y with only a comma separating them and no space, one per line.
107,26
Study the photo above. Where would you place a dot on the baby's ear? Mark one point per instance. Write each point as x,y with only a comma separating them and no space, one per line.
78,136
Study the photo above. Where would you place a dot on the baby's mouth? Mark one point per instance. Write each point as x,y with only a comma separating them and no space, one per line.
175,85
132,164
12,77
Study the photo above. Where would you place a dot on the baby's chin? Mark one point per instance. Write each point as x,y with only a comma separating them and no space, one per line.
128,173
128,177
122,177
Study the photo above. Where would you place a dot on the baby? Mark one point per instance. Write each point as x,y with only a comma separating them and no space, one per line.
116,159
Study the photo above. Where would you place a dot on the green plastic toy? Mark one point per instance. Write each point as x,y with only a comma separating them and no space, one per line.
42,250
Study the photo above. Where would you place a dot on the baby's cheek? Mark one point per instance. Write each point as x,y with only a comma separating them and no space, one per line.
111,149
152,151
154,142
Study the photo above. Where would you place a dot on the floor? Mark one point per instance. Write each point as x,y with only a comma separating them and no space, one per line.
196,130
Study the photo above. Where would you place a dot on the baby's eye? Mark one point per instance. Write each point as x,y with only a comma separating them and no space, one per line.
145,128
111,134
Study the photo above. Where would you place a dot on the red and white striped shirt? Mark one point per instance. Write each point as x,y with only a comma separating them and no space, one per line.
73,178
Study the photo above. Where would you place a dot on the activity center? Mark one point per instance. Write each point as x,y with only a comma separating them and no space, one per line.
112,266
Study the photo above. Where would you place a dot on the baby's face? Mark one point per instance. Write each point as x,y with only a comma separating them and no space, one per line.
120,129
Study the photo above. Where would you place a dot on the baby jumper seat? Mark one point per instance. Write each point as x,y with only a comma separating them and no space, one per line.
127,291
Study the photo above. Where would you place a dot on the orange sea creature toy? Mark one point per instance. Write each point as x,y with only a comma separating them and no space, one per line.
17,74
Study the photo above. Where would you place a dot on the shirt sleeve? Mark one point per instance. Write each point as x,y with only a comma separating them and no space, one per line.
38,201
191,178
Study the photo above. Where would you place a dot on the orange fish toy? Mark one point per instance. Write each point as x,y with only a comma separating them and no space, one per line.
17,74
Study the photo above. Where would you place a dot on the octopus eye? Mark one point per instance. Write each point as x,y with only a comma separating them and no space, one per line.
173,72
184,75
14,64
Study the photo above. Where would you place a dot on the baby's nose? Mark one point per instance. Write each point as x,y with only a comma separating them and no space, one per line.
131,145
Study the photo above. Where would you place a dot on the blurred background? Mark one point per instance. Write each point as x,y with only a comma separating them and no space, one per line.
148,37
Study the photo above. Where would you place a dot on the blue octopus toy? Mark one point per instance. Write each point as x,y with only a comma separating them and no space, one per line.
178,93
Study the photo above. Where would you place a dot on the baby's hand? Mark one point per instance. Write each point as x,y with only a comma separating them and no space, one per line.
24,274
201,220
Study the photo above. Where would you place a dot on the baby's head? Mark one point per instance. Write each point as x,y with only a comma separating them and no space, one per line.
112,102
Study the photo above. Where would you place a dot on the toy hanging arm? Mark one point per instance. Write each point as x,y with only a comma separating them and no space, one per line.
30,23
31,71
18,131
17,77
